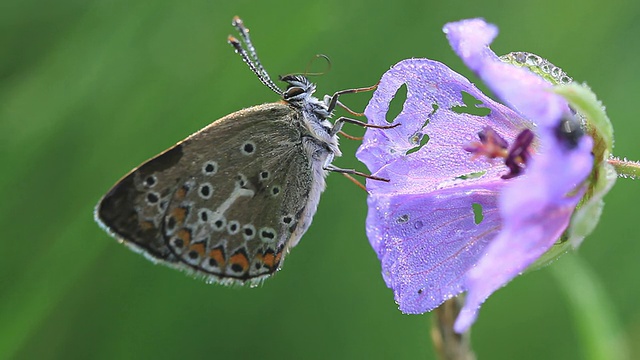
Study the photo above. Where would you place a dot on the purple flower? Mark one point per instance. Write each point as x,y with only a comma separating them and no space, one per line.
486,196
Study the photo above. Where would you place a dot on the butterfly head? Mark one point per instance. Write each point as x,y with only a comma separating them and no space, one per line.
299,88
299,93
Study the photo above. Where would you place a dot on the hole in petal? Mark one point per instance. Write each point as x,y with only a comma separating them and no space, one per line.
473,175
419,140
477,213
434,108
396,104
471,106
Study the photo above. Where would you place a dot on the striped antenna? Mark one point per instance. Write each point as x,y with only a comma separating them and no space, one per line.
249,55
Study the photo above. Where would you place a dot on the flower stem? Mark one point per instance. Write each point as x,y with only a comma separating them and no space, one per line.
625,168
448,344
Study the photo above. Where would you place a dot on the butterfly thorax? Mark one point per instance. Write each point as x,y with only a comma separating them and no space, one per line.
315,112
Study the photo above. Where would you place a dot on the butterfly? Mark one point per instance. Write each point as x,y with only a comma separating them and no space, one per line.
230,201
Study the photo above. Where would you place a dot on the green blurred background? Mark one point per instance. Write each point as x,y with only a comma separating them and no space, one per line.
90,89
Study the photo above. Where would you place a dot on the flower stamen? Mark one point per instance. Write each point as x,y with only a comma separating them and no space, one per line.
519,154
492,145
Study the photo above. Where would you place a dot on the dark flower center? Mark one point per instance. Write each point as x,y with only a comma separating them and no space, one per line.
569,131
492,145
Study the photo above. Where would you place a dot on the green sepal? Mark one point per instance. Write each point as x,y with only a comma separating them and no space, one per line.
597,125
603,176
586,217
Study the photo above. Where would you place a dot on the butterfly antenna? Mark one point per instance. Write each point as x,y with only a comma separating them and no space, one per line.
251,50
249,55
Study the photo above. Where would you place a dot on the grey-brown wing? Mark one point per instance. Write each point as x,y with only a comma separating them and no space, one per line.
224,202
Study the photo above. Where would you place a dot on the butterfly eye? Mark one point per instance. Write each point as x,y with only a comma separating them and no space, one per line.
293,92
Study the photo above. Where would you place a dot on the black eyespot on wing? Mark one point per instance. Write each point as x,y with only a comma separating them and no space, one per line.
152,198
248,148
171,223
205,191
150,181
210,168
204,216
268,234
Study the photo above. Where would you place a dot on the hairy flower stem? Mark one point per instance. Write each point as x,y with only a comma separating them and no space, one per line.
448,344
625,168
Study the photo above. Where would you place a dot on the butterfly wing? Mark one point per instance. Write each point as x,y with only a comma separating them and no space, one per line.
225,203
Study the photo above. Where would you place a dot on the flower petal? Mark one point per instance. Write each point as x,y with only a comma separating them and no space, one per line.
518,87
422,223
428,242
537,207
535,210
432,109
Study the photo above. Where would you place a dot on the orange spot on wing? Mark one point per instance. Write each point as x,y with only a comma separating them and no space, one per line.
180,193
277,258
199,248
179,214
269,259
185,235
218,256
240,259
146,225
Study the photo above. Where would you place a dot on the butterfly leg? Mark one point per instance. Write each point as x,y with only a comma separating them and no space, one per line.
350,137
349,110
356,182
337,125
333,100
353,172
